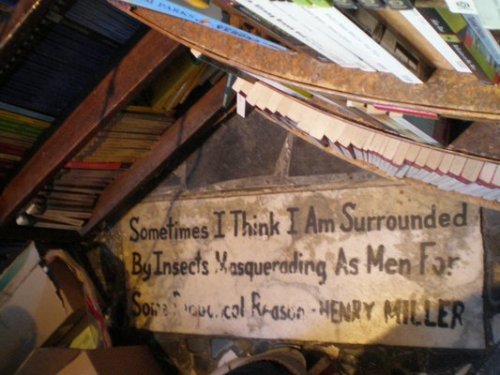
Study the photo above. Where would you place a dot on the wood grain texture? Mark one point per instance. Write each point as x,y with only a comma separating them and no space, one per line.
20,19
446,92
146,58
142,170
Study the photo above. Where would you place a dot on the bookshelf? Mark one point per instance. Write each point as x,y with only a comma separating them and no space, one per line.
446,93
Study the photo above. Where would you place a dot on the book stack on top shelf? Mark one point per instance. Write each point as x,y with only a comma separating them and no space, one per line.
447,92
355,34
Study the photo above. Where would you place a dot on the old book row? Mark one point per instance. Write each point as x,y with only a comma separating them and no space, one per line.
68,200
390,154
355,37
19,131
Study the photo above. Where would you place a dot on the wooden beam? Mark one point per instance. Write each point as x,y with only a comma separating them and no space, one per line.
183,130
148,56
20,20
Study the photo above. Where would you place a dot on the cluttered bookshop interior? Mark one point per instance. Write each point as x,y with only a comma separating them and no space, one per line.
333,163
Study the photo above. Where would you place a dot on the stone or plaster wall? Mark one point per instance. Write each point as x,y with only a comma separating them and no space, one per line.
253,154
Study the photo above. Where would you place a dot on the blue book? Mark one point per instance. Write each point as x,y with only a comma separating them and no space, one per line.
184,12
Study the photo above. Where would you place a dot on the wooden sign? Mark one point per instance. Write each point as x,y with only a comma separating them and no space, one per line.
374,265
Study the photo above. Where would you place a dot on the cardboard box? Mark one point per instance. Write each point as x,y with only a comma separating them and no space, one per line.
30,309
130,360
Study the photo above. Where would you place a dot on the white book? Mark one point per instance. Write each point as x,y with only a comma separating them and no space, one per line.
310,36
371,146
420,134
493,195
335,32
319,125
365,45
329,32
366,145
459,186
476,189
241,105
334,129
420,23
402,171
354,36
472,169
448,183
432,178
268,11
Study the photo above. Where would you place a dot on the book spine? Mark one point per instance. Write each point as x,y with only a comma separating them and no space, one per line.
74,164
172,9
428,32
276,14
454,30
25,112
268,28
332,31
372,4
323,30
406,111
352,37
400,4
345,4
392,42
490,45
363,44
240,10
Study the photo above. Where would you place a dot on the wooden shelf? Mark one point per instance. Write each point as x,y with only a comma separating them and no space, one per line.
447,92
114,91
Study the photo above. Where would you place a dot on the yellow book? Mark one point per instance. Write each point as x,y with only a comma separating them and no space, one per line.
24,119
171,80
185,88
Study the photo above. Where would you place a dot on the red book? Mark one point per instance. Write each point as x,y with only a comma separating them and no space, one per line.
96,165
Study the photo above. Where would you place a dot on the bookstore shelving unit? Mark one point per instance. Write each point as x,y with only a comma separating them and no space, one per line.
446,93
450,93
142,57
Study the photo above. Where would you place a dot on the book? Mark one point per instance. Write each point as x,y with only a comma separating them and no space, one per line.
173,8
399,4
175,83
361,43
433,37
467,41
392,42
424,127
319,27
267,29
285,17
488,12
